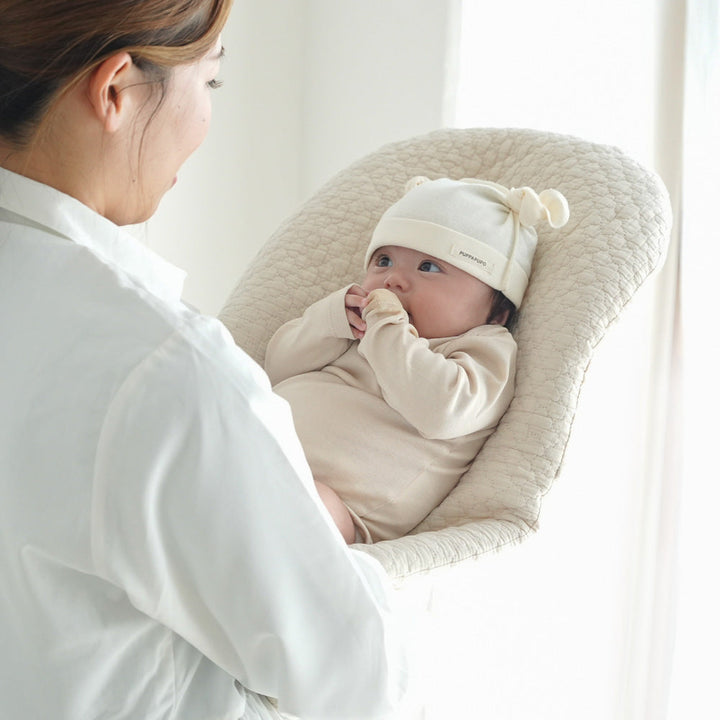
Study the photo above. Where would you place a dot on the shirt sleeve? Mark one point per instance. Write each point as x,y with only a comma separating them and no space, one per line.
465,388
310,342
205,514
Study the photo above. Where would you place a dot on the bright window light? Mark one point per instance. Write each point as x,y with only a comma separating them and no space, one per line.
570,66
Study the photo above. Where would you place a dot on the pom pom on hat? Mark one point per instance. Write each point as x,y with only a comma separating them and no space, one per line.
549,205
556,207
482,227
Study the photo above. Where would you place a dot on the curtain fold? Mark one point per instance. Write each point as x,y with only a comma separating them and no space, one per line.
691,686
648,657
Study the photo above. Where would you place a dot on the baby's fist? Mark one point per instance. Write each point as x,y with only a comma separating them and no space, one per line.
383,300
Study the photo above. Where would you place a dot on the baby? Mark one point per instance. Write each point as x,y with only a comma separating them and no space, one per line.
396,383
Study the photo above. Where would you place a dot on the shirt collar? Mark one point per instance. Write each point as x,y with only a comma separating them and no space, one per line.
65,216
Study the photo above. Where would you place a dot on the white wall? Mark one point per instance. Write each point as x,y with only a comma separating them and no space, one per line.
375,71
309,86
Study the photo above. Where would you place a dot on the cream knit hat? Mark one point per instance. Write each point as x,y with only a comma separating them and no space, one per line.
478,226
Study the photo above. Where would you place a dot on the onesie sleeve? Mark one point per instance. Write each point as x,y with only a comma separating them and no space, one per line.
462,386
206,516
310,342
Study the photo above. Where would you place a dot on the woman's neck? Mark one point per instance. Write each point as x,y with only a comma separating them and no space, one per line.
61,169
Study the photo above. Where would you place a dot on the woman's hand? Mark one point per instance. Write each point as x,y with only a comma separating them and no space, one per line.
355,302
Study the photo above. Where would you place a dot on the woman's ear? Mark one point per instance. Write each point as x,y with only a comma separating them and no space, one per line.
105,90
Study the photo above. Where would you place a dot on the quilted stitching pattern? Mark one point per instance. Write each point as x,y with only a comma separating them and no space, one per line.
583,276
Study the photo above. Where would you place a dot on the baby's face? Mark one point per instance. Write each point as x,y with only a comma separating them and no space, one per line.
440,299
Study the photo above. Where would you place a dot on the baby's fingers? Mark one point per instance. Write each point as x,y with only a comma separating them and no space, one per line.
357,324
356,297
355,302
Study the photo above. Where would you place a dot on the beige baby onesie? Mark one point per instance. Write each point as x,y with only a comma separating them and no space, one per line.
391,421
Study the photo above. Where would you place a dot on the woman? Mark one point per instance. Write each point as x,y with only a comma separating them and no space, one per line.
161,543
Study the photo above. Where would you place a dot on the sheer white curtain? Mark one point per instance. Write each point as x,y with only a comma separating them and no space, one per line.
632,513
694,672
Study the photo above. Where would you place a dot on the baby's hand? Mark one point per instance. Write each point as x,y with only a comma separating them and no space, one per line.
384,300
386,303
355,302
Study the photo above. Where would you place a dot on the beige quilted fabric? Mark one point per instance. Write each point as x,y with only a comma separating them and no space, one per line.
583,276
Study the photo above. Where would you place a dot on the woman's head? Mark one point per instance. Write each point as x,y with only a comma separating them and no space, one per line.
105,75
48,45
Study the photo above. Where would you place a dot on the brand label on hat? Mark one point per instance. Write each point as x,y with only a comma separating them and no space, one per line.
483,264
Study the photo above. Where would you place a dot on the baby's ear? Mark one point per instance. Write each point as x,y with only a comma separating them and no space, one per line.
414,182
500,319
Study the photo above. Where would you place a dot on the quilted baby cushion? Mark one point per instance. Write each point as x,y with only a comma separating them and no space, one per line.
583,276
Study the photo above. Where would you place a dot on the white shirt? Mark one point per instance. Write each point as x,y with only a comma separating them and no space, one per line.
160,535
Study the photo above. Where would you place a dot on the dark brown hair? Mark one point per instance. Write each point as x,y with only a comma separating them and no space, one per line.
46,46
501,304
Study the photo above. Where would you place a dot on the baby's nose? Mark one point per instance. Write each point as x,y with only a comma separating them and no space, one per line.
397,279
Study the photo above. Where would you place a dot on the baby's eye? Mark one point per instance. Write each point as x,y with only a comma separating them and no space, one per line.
383,261
214,84
429,266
